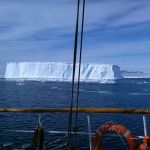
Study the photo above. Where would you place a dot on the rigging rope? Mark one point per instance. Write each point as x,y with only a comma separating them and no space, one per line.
80,61
73,74
125,146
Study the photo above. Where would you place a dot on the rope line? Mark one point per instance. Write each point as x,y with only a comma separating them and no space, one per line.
58,140
120,137
80,61
58,147
73,74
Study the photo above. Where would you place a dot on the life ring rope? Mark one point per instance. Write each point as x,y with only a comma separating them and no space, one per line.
121,130
126,134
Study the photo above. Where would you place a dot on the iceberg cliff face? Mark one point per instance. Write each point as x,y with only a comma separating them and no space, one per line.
61,71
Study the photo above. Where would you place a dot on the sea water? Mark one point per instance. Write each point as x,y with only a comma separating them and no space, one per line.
125,93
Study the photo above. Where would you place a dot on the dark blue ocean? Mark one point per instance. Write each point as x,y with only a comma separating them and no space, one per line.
126,93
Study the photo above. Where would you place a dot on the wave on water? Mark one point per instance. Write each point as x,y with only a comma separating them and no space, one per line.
95,91
140,82
54,87
139,93
144,82
20,83
85,91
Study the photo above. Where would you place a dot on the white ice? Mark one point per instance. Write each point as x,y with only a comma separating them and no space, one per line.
61,71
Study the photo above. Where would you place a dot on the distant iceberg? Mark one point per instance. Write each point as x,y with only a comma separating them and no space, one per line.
58,71
134,74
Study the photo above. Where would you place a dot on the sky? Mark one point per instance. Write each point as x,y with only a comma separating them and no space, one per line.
115,32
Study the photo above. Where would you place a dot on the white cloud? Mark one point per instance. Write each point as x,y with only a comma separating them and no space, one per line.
32,16
28,17
138,15
23,23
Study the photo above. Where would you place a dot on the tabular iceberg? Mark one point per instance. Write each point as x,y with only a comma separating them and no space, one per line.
61,71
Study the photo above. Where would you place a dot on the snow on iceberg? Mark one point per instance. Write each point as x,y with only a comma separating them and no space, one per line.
61,71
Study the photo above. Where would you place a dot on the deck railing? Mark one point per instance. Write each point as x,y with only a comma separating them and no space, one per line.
81,110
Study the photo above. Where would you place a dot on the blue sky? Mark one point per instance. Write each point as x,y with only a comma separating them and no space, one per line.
116,31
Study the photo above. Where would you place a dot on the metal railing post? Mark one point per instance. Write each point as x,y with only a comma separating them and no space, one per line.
89,130
145,125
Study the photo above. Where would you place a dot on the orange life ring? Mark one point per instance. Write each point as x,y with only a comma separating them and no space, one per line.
146,143
110,127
